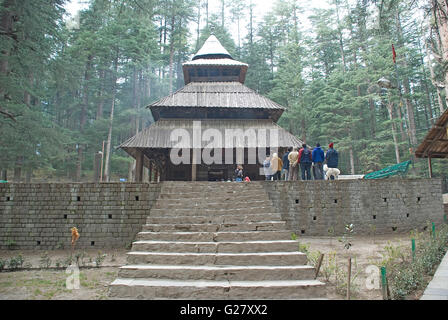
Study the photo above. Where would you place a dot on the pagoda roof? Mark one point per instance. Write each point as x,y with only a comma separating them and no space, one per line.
159,134
215,62
227,95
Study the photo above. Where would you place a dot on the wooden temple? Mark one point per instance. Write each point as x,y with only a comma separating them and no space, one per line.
215,99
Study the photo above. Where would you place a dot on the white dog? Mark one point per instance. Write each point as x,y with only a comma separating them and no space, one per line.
331,172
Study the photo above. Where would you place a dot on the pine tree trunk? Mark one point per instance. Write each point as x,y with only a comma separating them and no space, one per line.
100,108
440,10
223,7
434,80
171,67
83,116
109,136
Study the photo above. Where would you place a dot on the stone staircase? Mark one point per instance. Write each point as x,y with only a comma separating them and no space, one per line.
215,240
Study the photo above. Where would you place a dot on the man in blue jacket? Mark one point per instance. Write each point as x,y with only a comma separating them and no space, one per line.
332,158
318,162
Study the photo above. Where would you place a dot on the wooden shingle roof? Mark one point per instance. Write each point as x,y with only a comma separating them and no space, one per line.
435,144
159,134
217,95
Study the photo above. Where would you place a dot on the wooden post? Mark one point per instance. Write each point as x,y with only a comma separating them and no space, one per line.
319,263
139,166
349,275
430,167
102,161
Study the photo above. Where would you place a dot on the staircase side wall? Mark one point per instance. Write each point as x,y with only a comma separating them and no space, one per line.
40,216
315,208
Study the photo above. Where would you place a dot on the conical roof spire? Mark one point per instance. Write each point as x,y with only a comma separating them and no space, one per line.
212,49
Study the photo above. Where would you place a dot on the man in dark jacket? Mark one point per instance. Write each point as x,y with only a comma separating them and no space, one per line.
305,160
318,162
285,168
332,158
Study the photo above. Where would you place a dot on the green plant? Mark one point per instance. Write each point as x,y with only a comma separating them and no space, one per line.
80,258
60,245
45,260
99,259
2,264
303,247
342,279
68,261
328,267
16,262
392,255
293,236
347,237
11,244
313,258
407,276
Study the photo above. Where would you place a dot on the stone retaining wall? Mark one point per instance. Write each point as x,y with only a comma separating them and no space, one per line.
380,206
40,216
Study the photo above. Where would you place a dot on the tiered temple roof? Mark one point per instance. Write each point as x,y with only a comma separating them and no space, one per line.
215,94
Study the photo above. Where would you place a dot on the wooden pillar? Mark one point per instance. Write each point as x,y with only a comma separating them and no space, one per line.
150,171
145,174
430,167
139,166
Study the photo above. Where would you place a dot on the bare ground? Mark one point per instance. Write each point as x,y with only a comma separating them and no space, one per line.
44,284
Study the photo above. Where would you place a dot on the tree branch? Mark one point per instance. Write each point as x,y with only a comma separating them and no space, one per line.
7,114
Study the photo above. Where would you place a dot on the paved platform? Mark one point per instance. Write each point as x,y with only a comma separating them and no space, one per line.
438,287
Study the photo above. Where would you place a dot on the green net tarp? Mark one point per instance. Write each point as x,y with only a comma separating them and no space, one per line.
397,169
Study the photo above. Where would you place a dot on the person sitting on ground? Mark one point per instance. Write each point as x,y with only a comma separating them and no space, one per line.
239,173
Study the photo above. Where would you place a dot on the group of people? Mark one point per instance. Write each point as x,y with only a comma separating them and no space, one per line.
287,167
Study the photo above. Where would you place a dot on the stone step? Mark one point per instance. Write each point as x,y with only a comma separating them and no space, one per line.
221,205
238,259
228,290
217,247
252,273
215,236
210,212
222,188
213,227
250,194
213,219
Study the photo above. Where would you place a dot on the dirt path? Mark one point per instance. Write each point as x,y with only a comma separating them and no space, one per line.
365,251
